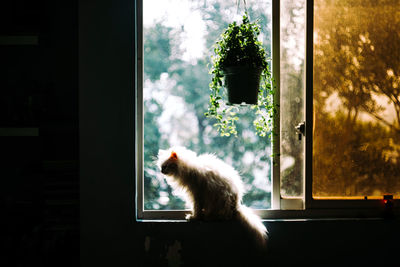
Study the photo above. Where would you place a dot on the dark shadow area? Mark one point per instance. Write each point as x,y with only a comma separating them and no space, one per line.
39,184
198,244
292,243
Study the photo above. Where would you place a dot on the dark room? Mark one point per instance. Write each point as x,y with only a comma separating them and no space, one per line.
200,133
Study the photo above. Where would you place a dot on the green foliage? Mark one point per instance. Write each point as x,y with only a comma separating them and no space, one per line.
239,46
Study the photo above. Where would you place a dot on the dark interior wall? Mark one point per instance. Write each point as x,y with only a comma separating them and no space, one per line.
39,180
106,122
109,233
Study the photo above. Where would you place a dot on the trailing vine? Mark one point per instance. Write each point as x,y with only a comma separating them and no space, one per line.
238,46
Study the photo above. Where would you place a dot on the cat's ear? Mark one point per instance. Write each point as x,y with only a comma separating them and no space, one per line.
173,155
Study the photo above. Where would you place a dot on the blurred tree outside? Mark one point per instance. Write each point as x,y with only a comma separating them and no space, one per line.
176,95
356,147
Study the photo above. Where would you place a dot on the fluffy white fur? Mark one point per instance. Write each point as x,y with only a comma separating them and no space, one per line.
214,187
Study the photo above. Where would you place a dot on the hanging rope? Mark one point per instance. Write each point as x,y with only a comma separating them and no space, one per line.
238,6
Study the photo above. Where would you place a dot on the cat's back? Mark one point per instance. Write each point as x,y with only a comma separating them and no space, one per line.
221,170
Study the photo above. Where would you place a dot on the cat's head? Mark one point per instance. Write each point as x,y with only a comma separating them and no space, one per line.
170,165
171,160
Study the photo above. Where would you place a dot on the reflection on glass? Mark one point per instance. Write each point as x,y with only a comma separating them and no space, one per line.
292,91
178,43
356,147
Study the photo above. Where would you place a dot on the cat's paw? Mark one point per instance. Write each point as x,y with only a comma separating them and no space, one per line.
192,218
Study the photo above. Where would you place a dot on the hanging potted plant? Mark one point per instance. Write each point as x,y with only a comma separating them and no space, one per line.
240,67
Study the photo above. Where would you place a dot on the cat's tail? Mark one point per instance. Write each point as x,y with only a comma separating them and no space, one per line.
254,224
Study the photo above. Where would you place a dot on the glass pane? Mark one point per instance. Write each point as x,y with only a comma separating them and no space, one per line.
356,147
178,43
292,92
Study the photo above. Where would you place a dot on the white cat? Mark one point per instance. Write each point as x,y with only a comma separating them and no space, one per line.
214,187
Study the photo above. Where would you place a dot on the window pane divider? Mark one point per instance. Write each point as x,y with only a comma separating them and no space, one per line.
139,110
308,103
276,183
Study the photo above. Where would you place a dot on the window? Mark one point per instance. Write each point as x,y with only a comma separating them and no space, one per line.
356,93
324,78
178,38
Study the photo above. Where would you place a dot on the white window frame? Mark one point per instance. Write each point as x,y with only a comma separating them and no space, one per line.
282,208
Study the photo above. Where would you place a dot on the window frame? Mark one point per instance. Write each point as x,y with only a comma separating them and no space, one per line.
281,208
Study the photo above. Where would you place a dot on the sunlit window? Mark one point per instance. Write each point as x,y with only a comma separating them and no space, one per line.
336,67
178,39
356,135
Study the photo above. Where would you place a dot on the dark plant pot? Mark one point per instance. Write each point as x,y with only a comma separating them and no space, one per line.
242,84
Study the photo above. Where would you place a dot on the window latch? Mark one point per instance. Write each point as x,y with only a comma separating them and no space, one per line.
301,129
